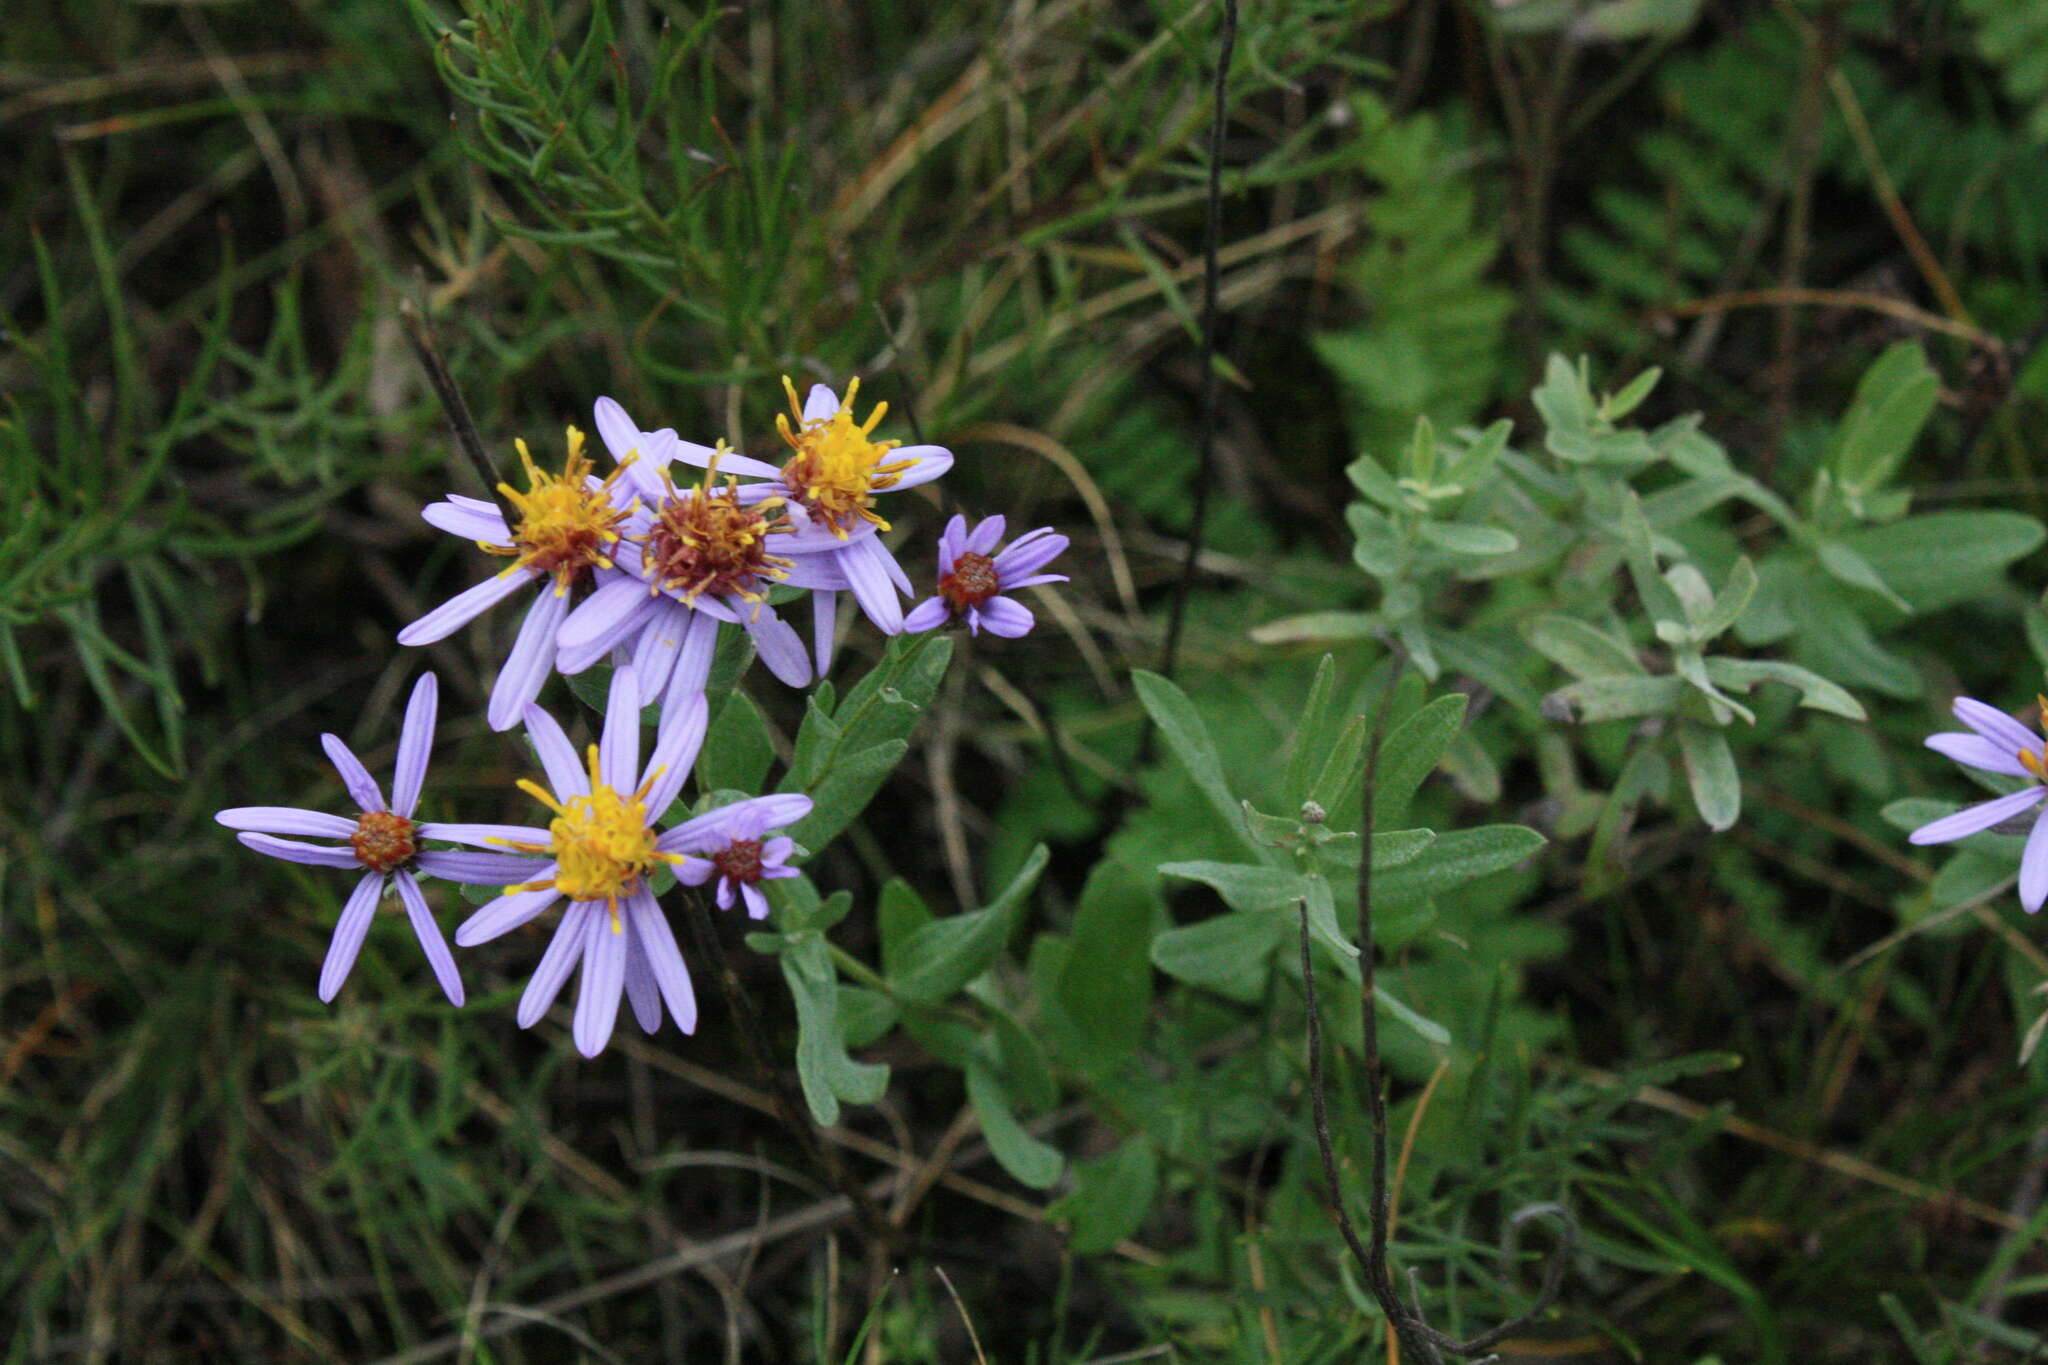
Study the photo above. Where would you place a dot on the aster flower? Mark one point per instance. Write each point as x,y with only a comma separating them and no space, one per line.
598,852
383,843
726,844
568,524
1998,744
972,580
691,559
828,484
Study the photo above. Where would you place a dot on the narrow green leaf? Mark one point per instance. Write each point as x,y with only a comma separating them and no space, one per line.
1580,649
1181,726
1710,769
737,750
1105,985
942,956
1455,858
1229,954
1028,1160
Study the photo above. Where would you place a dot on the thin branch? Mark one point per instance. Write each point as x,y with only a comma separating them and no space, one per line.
1211,271
1423,1344
466,434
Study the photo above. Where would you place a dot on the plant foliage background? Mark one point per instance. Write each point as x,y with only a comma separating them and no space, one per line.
1654,385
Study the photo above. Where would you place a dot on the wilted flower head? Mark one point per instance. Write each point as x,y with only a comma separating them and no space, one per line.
726,845
598,851
382,841
973,579
1997,743
567,529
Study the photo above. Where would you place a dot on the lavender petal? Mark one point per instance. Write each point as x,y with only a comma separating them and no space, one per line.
361,786
952,542
1006,617
1975,751
415,742
757,904
313,855
928,463
506,913
676,745
478,869
604,978
467,522
1995,725
459,610
531,660
564,951
600,622
664,961
485,836
871,586
984,537
1972,819
286,820
349,931
929,614
2034,866
429,931
618,748
780,647
640,987
661,644
1030,553
566,777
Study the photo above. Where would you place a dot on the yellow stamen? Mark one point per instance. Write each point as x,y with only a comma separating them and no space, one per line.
600,843
2031,761
837,468
702,540
564,524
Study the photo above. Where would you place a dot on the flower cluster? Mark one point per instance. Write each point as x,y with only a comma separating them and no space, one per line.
643,566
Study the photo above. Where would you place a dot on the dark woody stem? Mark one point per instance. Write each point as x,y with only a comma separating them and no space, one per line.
1421,1344
466,435
710,949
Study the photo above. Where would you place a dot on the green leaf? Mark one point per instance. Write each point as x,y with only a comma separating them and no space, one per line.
942,956
737,750
1893,402
1941,558
845,753
1111,1197
1598,699
1410,753
1317,627
1729,603
1028,1160
1464,538
1814,690
1580,649
1710,769
1229,954
1188,737
1322,917
1105,985
1455,858
1321,723
900,913
1377,547
825,1072
1242,886
1852,568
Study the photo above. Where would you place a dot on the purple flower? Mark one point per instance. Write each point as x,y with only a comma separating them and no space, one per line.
691,560
383,842
726,844
972,581
1998,744
568,525
598,851
828,486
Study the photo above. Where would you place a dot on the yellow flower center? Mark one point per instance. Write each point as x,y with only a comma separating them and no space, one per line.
703,541
836,468
601,843
2033,761
563,525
